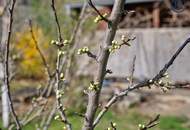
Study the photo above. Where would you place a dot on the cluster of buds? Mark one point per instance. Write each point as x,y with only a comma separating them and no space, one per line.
83,50
141,126
163,83
61,53
57,43
94,86
115,45
166,75
54,42
59,94
125,40
66,42
99,18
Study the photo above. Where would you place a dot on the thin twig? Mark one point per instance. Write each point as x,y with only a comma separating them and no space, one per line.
6,64
113,126
56,20
73,44
140,85
151,123
58,80
37,114
50,117
132,71
39,50
58,99
47,68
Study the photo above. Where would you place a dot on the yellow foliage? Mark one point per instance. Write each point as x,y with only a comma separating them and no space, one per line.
30,65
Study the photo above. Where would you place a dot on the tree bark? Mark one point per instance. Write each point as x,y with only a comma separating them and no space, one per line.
93,96
4,96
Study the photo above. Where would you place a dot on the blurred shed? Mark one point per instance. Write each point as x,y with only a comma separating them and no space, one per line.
158,31
148,13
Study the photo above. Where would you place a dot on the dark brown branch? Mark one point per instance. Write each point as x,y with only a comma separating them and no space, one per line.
151,123
6,64
57,21
140,85
161,73
113,126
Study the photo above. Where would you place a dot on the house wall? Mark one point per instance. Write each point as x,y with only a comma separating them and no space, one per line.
152,47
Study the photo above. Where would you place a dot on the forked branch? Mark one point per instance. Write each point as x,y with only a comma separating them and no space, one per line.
145,83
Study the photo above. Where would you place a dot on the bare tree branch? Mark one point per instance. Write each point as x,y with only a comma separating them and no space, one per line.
73,44
150,124
58,80
6,64
50,117
140,85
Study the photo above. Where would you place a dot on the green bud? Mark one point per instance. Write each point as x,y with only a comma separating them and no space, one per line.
95,20
141,126
79,51
61,76
65,42
150,81
56,117
53,42
105,14
113,42
60,53
123,37
114,124
109,128
85,49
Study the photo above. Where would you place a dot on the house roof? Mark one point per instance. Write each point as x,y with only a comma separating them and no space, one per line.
108,3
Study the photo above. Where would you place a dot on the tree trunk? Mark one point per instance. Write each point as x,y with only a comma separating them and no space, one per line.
4,96
93,99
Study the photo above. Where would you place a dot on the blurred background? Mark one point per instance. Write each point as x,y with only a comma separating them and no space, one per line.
157,31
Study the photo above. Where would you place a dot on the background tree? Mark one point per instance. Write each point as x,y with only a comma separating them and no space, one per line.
4,95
